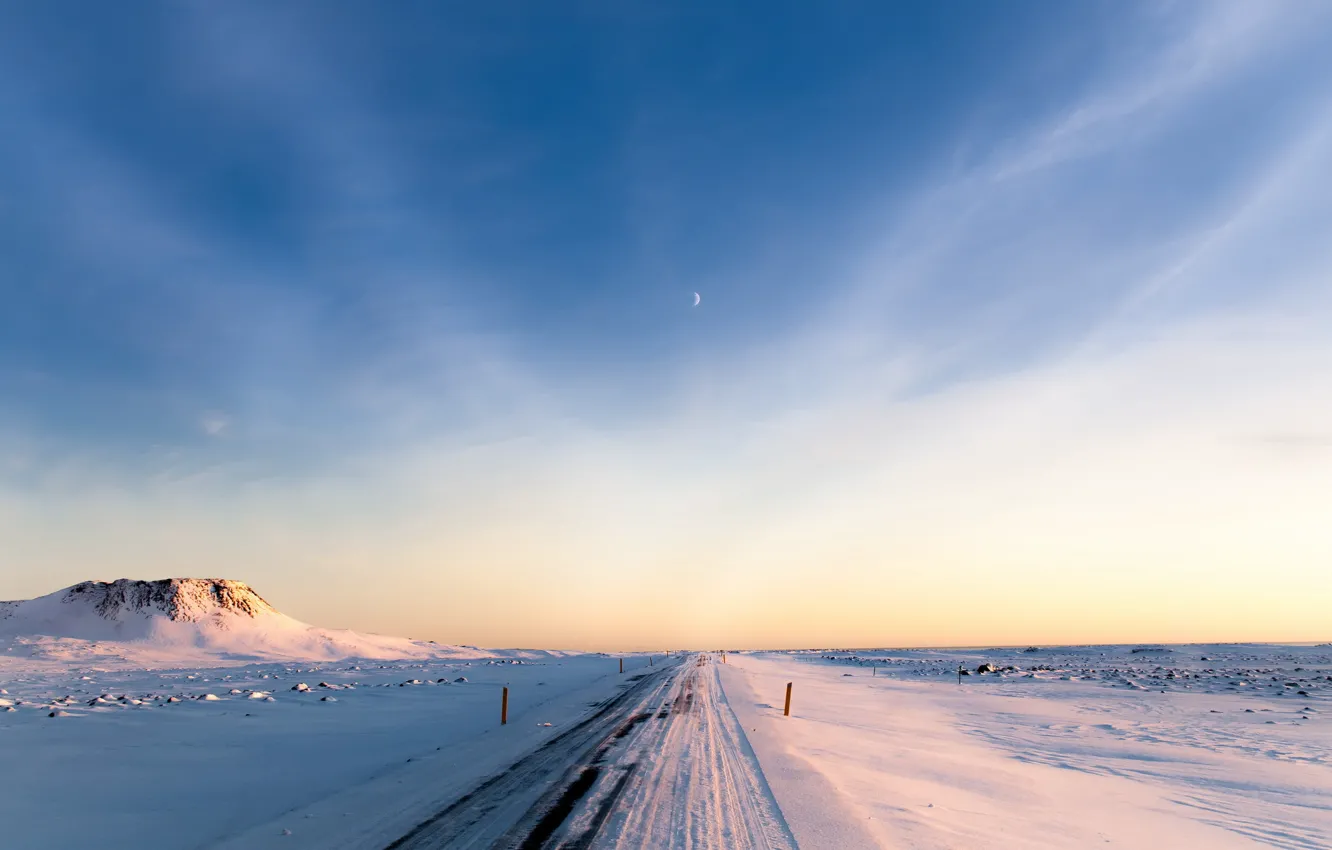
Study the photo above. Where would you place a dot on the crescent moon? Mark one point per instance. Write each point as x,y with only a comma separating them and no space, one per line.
696,299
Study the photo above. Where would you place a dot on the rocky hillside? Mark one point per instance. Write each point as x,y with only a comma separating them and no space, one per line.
182,621
186,600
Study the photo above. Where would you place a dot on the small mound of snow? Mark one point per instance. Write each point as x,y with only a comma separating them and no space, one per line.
209,698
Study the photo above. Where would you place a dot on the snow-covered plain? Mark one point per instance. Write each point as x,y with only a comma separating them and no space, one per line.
123,761
192,711
180,714
1179,747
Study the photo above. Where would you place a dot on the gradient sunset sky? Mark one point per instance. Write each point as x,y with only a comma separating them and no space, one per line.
1015,320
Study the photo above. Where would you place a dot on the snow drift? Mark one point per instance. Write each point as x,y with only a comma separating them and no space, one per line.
183,621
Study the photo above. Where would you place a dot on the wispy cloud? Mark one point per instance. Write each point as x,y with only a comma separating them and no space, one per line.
1034,378
1295,441
1182,51
214,423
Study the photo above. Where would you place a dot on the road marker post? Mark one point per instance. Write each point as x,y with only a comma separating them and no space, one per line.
787,711
621,665
504,707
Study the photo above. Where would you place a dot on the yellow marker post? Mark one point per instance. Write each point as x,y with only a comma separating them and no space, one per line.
787,711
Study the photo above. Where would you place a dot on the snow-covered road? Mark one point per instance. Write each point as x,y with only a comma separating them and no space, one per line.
664,764
691,780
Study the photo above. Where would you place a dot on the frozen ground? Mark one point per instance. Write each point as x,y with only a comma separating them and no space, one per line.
1209,747
1215,747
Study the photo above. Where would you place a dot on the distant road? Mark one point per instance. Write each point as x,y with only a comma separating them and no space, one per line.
660,765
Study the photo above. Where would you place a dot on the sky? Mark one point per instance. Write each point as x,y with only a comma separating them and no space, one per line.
1014,320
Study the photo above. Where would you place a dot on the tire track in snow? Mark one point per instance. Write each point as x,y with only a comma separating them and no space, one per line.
663,765
516,808
695,785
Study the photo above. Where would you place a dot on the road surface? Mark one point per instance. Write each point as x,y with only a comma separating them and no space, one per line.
663,764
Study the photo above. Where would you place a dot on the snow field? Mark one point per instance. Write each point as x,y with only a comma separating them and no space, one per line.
1056,757
1148,747
195,772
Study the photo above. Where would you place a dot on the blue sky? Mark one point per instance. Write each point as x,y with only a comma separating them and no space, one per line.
336,296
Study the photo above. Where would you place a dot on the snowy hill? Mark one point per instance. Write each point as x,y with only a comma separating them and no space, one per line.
183,621
135,610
